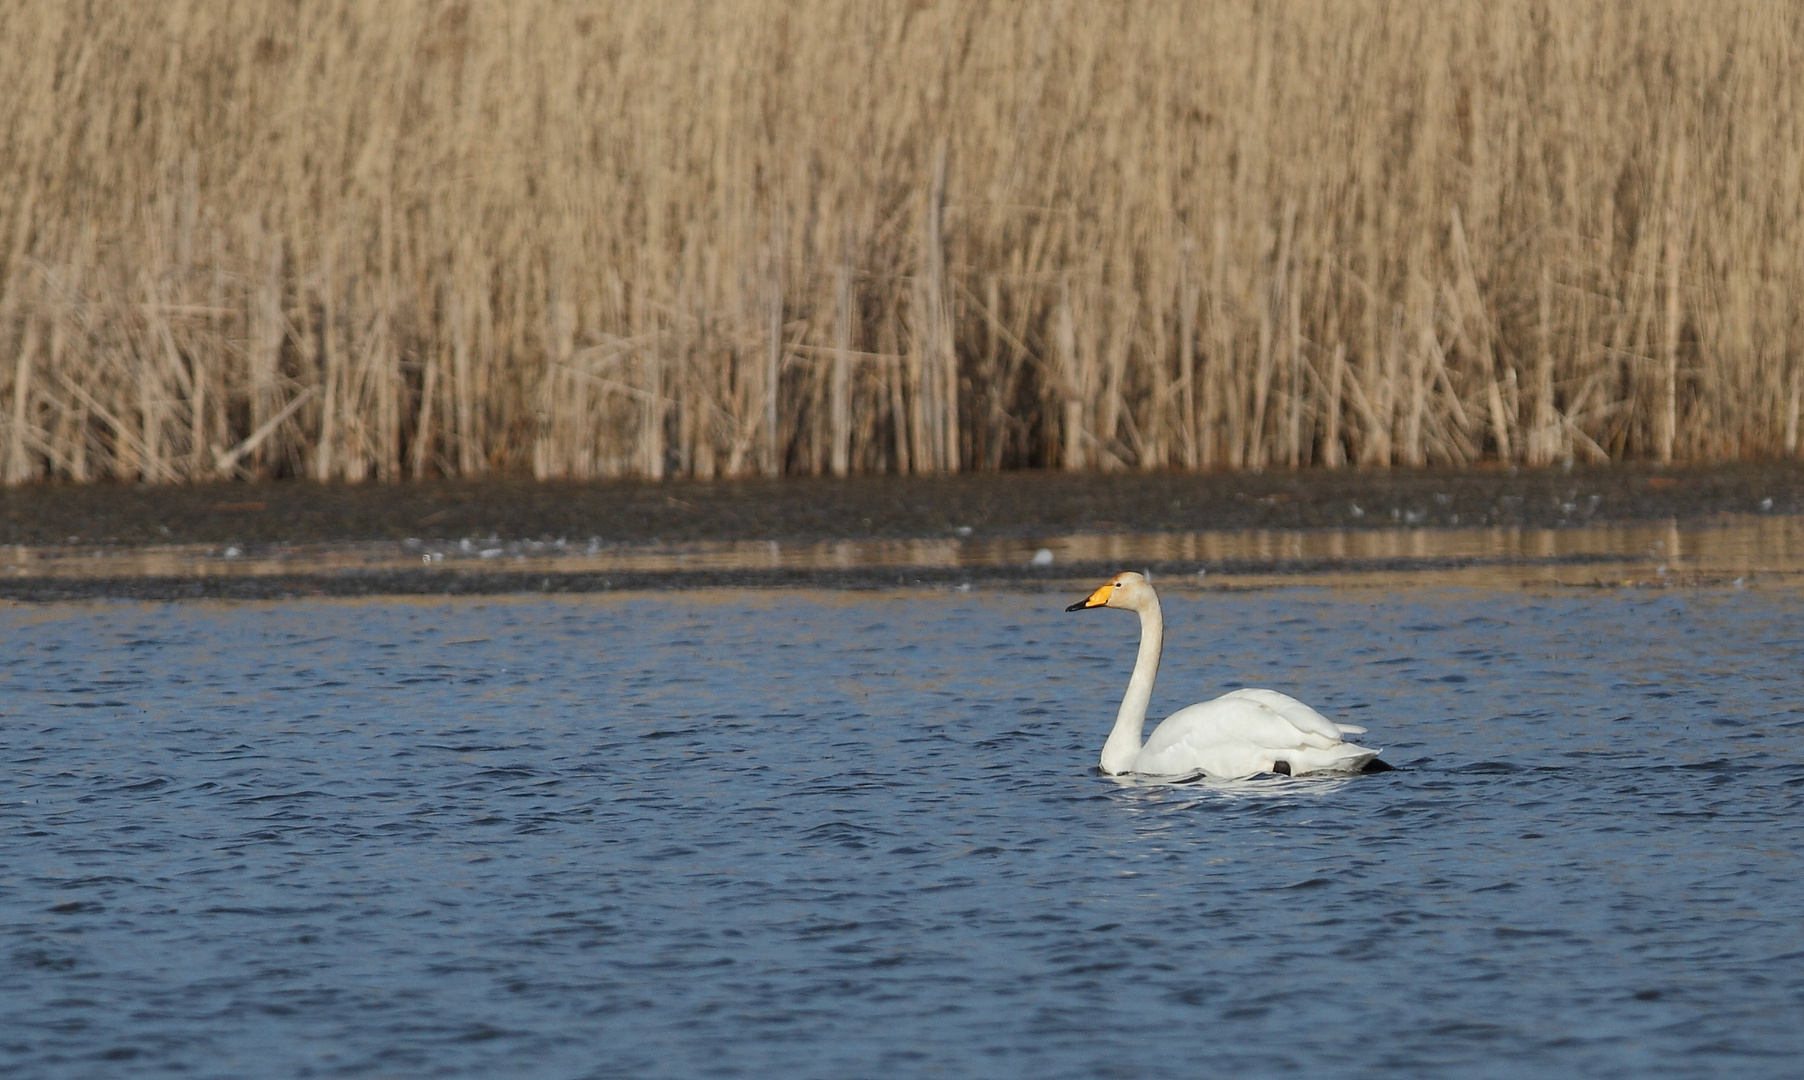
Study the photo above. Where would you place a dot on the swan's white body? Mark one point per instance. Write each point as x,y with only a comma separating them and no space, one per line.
1243,733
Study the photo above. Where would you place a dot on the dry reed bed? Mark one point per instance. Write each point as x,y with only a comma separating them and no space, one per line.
382,238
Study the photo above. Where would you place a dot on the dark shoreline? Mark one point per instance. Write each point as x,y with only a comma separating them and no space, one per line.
1007,505
354,584
810,508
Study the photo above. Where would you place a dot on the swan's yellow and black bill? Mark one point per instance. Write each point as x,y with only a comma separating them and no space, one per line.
1095,599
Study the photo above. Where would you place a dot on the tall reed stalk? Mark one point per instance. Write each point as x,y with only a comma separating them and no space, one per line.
383,239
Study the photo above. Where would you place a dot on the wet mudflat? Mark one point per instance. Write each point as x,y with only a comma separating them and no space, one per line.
803,833
1761,549
502,536
803,508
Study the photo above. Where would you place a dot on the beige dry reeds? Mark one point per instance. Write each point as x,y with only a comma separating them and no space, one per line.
394,238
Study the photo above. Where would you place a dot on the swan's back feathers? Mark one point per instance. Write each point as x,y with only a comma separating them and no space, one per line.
1298,713
1316,729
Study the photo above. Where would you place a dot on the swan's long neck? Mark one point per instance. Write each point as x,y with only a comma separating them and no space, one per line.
1123,747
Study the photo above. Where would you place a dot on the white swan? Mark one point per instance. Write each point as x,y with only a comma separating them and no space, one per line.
1243,733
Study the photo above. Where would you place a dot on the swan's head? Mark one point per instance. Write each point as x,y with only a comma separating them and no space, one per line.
1127,590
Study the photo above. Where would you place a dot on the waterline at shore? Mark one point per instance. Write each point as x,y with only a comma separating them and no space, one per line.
1748,549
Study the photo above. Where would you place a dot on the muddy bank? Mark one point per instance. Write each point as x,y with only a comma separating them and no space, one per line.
239,541
1074,578
995,505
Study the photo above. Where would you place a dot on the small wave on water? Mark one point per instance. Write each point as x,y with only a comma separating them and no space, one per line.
838,834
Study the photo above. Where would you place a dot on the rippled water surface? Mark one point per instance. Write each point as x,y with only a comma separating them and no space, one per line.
836,835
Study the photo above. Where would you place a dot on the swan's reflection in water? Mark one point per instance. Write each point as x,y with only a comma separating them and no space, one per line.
1202,786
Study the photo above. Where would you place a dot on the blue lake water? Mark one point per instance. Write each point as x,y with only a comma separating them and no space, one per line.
860,834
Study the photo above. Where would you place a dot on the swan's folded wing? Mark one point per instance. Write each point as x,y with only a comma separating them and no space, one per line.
1229,736
1239,735
1313,729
